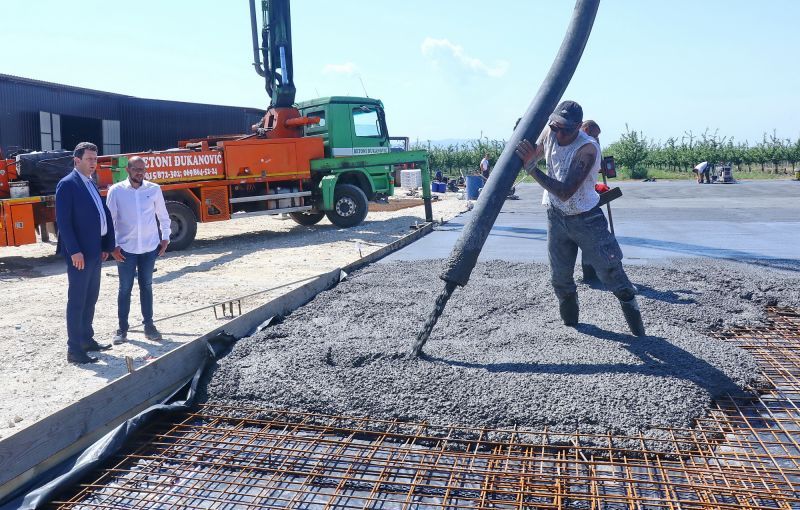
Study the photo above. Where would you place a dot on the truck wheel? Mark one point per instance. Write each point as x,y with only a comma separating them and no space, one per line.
349,206
307,218
183,226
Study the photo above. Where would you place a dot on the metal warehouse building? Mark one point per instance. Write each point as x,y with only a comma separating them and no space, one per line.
46,116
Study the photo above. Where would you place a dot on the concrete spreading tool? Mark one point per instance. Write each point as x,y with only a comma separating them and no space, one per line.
465,253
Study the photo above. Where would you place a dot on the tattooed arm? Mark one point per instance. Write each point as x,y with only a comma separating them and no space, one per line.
579,170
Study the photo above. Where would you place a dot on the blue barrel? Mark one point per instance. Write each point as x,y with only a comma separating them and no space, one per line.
474,185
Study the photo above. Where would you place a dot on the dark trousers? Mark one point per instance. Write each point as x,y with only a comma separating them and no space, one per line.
141,264
589,232
84,287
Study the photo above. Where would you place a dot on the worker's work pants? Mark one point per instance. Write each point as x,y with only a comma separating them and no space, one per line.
141,264
589,232
84,288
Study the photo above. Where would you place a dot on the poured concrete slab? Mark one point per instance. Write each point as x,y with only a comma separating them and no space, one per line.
752,221
500,357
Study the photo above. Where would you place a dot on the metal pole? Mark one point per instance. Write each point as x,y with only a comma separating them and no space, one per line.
608,205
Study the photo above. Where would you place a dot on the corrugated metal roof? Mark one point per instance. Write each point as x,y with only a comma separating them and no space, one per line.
71,88
40,83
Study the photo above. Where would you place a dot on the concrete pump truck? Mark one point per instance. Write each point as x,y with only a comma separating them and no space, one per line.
323,157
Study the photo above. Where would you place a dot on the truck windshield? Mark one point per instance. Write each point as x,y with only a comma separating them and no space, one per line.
366,121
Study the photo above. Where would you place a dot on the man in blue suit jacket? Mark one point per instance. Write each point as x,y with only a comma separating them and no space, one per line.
85,238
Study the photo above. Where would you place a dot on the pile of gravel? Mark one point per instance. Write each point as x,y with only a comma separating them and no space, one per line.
500,356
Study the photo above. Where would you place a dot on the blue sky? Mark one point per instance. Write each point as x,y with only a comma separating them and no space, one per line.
444,69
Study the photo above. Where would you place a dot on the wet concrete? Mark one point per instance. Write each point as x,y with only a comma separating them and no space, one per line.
703,257
500,357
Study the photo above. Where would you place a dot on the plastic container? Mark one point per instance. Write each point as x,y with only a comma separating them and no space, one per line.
411,179
474,185
19,189
283,203
438,187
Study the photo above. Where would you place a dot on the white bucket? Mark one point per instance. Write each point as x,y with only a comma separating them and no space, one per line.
19,189
296,201
283,203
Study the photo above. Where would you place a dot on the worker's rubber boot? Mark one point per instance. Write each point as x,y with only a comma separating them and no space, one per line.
568,308
630,309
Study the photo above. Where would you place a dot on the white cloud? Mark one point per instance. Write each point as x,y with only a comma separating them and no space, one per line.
434,48
347,69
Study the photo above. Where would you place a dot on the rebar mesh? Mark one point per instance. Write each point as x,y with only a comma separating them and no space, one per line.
744,454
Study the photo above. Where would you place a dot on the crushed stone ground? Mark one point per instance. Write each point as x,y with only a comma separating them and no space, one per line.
500,356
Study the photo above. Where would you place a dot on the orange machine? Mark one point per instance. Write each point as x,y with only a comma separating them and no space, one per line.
17,225
286,158
204,181
242,160
8,172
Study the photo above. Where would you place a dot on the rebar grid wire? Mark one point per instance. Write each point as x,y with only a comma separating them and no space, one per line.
744,454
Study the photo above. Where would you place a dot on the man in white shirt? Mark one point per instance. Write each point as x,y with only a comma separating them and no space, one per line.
485,166
702,170
135,204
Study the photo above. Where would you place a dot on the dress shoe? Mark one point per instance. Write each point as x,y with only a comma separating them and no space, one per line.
94,346
80,358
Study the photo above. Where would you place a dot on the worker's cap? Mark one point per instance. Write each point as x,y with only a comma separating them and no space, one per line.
568,113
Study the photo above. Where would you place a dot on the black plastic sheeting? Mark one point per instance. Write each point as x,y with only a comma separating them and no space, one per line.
43,170
39,491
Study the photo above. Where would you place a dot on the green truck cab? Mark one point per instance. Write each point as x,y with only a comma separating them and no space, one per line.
358,166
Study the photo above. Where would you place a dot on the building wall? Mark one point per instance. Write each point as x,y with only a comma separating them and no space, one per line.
150,124
20,104
144,124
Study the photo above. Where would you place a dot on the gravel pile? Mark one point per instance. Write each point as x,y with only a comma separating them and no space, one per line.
500,356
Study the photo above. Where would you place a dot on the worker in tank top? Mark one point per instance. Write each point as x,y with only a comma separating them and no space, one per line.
574,219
